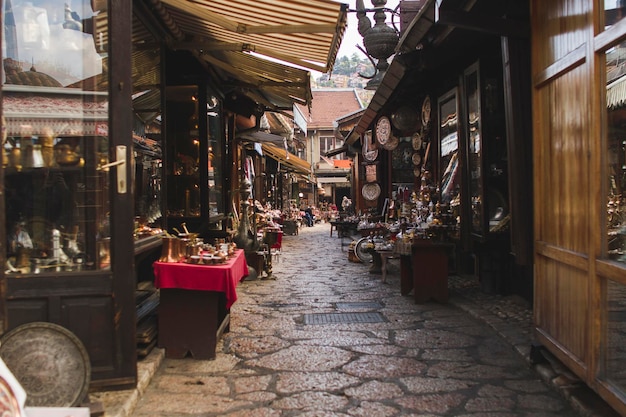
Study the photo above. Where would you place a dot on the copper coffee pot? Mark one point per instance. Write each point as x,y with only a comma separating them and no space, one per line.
172,249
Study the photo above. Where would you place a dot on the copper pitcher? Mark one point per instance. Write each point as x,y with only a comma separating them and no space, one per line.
171,250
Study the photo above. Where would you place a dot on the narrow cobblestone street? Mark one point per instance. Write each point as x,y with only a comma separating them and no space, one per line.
327,338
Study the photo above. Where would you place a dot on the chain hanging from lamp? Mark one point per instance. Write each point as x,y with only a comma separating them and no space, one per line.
379,40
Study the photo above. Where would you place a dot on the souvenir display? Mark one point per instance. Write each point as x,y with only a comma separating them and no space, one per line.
383,130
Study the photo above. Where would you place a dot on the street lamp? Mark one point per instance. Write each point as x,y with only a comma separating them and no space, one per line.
379,40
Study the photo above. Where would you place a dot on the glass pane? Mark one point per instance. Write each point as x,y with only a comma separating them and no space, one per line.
183,176
615,358
475,151
616,154
55,126
614,10
216,157
448,134
147,137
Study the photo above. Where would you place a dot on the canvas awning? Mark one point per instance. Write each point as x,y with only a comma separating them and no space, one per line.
332,180
286,158
616,93
262,137
306,33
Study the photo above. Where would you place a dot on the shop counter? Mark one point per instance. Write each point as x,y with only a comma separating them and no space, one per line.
195,303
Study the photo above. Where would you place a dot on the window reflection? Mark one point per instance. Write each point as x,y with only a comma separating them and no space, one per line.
616,152
55,135
614,11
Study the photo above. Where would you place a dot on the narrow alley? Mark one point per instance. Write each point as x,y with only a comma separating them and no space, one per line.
326,338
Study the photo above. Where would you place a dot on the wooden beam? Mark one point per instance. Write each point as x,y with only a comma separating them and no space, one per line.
484,23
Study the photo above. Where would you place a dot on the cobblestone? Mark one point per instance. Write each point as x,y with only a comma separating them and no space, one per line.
468,357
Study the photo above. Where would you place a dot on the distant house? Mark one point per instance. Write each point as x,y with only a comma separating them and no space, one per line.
328,105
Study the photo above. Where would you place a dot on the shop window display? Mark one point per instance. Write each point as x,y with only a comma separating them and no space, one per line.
55,136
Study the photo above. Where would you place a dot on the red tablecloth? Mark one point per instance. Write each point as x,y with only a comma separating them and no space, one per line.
221,278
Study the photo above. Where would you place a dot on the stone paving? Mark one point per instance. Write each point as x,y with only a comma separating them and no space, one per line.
421,360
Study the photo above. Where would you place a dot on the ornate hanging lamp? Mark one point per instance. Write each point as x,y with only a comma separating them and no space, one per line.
379,40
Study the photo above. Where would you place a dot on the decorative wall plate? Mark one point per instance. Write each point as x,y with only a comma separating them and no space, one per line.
383,130
370,156
417,172
416,158
371,191
49,361
392,143
416,141
426,111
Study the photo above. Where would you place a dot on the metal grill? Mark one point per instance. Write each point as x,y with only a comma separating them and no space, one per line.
343,318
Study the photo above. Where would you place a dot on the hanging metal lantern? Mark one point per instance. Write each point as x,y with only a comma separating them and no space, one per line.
379,40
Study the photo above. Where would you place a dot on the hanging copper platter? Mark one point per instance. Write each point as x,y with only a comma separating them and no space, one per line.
50,363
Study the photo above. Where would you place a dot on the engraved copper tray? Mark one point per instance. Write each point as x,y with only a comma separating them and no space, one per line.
50,363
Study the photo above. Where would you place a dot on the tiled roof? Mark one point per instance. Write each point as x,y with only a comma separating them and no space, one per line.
328,105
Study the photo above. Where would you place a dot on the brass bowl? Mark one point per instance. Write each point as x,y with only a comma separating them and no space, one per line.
65,155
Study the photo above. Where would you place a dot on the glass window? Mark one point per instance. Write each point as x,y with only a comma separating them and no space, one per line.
55,135
614,10
183,176
449,149
474,149
328,143
616,153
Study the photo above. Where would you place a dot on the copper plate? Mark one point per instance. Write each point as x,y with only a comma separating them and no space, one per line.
392,143
371,191
416,141
50,363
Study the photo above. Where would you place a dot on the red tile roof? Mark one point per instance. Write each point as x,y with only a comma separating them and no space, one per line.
328,105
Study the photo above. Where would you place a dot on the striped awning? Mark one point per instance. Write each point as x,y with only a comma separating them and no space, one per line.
306,33
616,93
286,158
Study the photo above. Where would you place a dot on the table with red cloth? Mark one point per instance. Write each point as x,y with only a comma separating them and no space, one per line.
194,306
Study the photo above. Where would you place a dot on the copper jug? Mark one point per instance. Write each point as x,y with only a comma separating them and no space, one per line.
171,250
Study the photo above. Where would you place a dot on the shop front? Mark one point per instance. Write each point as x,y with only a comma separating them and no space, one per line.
443,145
119,126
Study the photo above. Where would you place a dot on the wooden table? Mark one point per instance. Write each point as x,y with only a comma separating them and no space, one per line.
425,271
195,303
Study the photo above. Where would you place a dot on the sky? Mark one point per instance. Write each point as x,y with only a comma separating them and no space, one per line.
352,36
